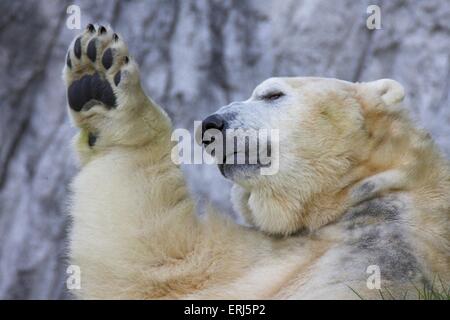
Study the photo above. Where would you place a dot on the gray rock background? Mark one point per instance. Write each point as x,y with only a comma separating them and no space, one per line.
195,56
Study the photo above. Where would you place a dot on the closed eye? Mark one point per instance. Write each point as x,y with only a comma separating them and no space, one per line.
272,96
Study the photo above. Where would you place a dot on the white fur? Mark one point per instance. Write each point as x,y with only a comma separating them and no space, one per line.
136,234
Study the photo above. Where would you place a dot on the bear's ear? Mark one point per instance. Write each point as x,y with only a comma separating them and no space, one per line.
390,91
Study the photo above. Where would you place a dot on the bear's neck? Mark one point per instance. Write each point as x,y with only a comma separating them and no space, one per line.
287,211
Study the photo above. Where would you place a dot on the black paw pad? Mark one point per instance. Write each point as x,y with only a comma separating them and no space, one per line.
91,50
68,61
92,138
90,90
117,78
107,59
77,48
102,30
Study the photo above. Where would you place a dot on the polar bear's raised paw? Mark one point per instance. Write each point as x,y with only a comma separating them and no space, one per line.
105,97
97,69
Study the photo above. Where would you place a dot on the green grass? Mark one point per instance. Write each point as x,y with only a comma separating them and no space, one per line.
436,291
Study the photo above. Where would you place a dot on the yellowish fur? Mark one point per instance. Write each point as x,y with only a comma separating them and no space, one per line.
136,234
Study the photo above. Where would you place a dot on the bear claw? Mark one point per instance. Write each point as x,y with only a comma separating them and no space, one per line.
90,27
102,30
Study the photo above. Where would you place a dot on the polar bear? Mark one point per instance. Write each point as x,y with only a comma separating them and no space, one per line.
358,187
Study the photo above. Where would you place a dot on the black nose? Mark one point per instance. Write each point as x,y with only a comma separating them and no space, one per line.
214,121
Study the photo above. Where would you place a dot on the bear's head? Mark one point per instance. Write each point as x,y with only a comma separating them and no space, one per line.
324,137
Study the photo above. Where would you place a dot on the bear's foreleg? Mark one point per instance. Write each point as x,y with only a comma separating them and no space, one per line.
135,233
